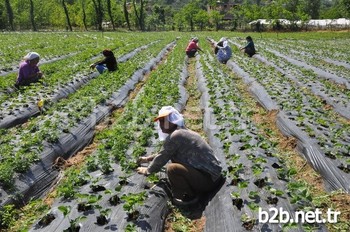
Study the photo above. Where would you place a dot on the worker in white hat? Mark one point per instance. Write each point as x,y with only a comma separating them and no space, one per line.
28,70
223,50
194,169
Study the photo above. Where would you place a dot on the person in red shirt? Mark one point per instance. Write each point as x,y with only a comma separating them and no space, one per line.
192,48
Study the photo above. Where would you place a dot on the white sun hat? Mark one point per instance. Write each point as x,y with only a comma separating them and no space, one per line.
172,115
31,56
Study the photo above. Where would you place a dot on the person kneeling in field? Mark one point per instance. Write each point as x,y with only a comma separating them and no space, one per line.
108,63
223,51
249,49
192,48
194,168
28,70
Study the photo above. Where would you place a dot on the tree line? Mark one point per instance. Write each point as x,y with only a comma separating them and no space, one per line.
148,15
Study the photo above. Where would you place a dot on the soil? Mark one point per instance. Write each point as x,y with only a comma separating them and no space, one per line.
336,201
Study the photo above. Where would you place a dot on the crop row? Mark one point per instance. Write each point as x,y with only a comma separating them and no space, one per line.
20,108
334,95
56,45
330,55
20,146
112,165
257,175
302,107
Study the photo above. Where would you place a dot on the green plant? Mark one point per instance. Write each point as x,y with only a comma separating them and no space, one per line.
8,215
132,200
74,223
102,219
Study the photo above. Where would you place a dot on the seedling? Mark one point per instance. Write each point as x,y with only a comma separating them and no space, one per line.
247,222
46,220
89,203
96,187
236,200
131,201
74,223
151,180
102,219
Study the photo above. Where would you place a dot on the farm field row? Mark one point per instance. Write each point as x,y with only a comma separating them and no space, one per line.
256,172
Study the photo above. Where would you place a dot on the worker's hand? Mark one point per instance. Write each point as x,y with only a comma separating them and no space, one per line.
92,65
142,170
142,160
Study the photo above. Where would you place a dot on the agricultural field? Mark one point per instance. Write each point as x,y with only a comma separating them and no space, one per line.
279,122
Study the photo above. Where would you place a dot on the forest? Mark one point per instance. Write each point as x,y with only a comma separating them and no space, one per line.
160,15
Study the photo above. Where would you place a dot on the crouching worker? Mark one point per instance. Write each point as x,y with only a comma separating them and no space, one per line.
28,70
194,169
223,51
192,48
249,49
108,63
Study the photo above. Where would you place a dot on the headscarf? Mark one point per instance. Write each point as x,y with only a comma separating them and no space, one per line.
31,56
172,115
224,41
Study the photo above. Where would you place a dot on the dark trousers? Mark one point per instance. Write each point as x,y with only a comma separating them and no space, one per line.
250,52
26,82
191,53
185,180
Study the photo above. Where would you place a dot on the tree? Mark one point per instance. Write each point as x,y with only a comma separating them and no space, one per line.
109,10
179,21
139,14
311,7
32,16
9,14
189,10
345,8
216,18
201,19
84,14
67,15
99,13
126,14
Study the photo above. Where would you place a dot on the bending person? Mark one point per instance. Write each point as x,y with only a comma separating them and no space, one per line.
192,48
249,49
29,71
194,168
223,51
108,63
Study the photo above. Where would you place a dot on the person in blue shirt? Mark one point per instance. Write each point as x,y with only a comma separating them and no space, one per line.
223,50
249,49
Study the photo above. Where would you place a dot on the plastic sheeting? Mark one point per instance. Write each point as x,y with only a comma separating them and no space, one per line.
333,176
24,113
36,182
223,201
152,212
319,72
316,88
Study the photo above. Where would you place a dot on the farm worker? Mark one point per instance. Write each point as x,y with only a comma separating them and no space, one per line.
249,48
108,63
194,169
223,50
192,48
28,70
